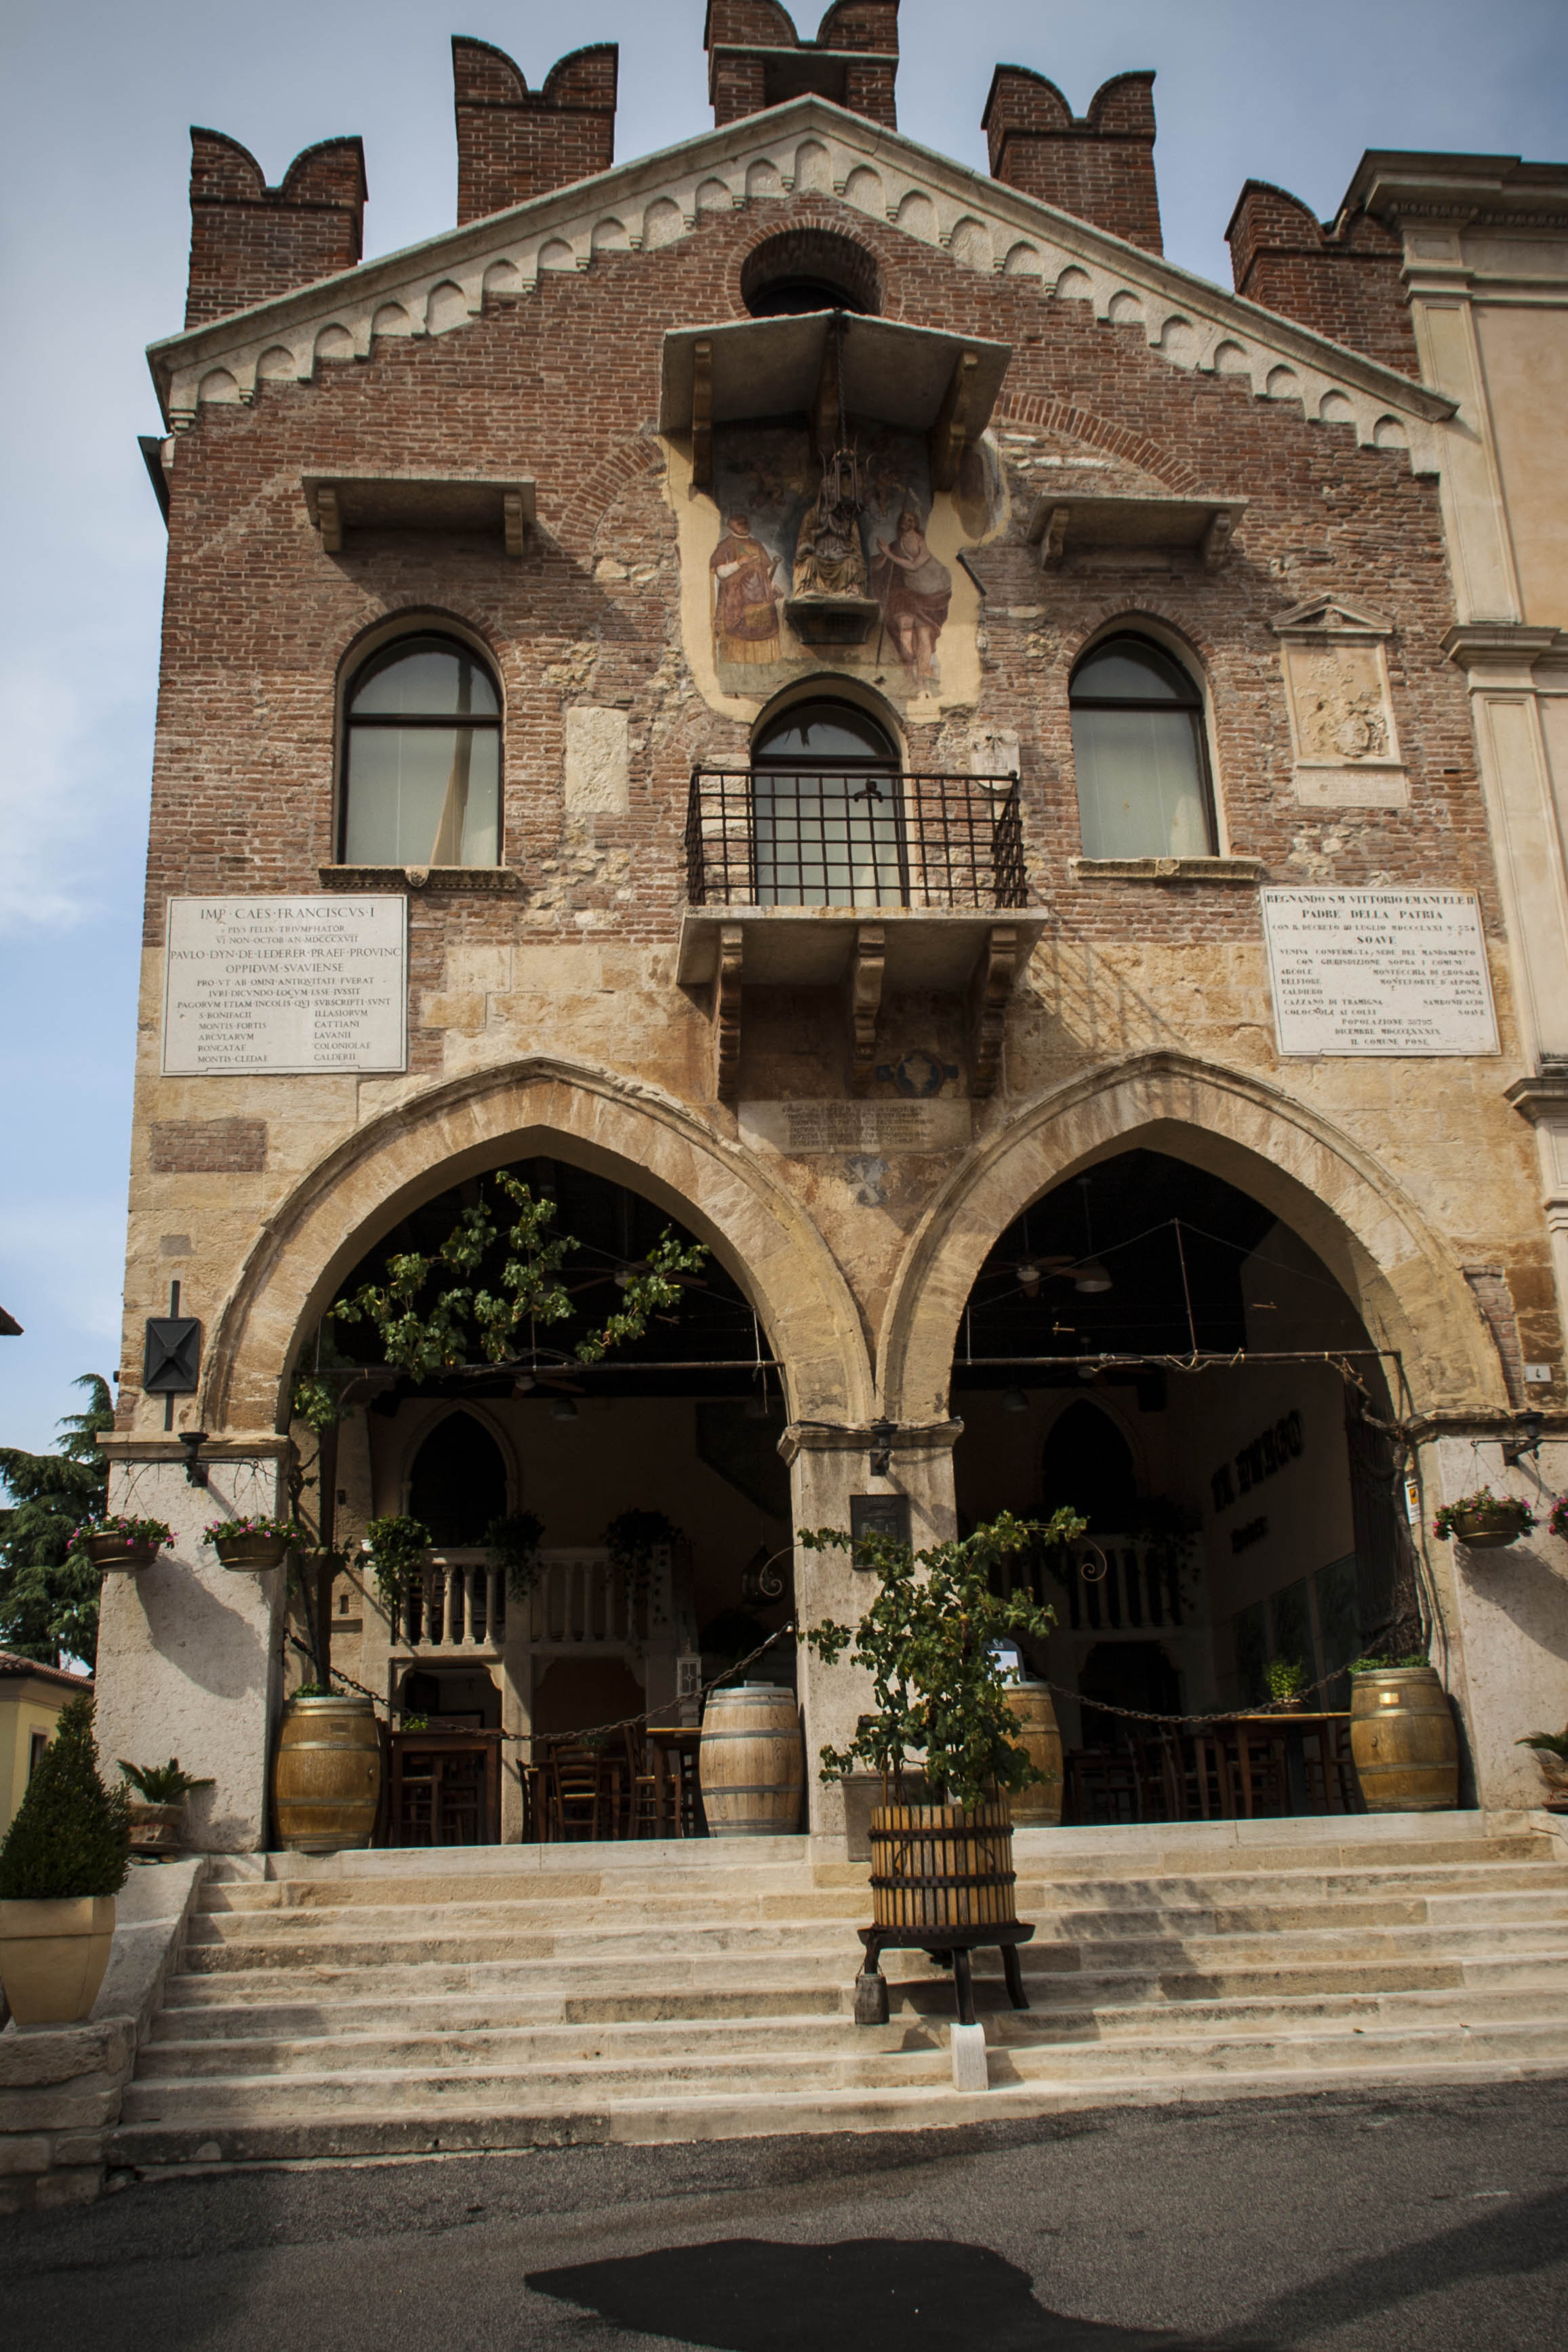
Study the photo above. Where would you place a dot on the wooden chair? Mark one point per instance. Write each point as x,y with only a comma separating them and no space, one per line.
641,1818
577,1791
1331,1773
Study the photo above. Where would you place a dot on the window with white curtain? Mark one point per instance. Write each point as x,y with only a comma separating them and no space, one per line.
1138,748
422,762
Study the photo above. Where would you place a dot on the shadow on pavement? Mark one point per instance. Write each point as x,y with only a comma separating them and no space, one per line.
876,2294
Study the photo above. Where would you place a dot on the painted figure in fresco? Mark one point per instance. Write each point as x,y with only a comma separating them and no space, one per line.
914,590
828,557
746,596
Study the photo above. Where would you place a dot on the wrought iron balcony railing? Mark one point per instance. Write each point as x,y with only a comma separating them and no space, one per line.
865,837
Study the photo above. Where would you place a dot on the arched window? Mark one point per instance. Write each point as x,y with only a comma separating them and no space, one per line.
458,1483
1138,747
421,758
1088,1463
828,827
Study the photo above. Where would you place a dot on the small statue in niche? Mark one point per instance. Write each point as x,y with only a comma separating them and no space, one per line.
828,557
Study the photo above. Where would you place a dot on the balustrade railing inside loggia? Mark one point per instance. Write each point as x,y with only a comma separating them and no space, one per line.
874,837
1108,1584
576,1599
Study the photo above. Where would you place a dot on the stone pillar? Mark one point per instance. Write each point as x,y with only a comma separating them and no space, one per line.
1543,1101
188,1650
827,1467
1505,1612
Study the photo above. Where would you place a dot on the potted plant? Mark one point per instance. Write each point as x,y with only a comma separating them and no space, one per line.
397,1547
515,1540
632,1538
1551,1755
254,1543
931,1641
1557,1519
158,1819
63,1863
1402,1736
1483,1521
1286,1679
118,1542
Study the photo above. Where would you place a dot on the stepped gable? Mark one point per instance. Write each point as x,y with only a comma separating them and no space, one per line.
1342,279
758,59
514,142
250,242
810,160
1098,166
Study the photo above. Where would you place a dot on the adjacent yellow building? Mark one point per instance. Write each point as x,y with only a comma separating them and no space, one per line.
31,1697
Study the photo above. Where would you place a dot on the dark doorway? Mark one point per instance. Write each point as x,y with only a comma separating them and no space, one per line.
1088,1463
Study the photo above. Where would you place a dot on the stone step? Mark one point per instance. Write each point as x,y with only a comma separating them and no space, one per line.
844,2063
298,2043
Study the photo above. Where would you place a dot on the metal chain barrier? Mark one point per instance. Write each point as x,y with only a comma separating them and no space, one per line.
594,1731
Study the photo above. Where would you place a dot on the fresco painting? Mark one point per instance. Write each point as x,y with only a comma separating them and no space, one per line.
780,525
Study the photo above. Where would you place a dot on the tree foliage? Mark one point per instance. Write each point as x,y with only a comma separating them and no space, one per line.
929,1641
430,1323
48,1598
71,1835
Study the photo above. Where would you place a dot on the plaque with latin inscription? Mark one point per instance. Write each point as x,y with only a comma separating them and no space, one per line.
861,1128
285,985
1379,971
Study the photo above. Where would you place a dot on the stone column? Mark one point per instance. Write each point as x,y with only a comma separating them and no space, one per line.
1543,1101
189,1652
827,1467
1508,1608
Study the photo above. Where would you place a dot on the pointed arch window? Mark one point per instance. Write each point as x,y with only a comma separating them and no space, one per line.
1139,751
421,758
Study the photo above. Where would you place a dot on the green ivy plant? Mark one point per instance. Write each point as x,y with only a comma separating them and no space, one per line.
160,1784
71,1836
515,1540
315,1404
427,1334
929,1641
398,1546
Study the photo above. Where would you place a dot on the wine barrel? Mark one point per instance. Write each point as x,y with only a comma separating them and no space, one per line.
1038,1806
752,1761
1403,1739
327,1774
942,1865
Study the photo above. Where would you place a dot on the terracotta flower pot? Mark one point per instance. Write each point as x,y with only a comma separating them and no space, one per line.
157,1829
52,1957
108,1550
251,1552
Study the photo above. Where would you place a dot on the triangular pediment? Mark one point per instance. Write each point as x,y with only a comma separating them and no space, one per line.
1330,617
809,147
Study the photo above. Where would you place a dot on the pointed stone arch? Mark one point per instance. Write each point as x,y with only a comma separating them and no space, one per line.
1408,1288
626,1130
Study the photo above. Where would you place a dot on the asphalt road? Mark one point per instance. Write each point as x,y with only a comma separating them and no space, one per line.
1431,2223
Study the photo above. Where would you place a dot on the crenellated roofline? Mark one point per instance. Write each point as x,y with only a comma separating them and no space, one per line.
807,146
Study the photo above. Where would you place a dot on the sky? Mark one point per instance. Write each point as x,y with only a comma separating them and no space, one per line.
95,100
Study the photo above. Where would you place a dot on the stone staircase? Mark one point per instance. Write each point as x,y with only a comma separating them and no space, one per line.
509,1996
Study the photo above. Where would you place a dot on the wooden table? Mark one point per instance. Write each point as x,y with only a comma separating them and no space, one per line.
1256,1729
437,1768
670,1746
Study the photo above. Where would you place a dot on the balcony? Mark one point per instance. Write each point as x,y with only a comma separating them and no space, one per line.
871,881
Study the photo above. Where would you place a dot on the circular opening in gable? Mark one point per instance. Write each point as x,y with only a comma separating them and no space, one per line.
805,269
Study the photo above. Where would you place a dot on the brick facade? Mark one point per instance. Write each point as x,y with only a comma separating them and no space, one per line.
1345,280
1099,167
514,142
756,58
249,242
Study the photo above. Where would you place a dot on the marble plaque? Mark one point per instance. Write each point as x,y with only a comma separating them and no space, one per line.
285,985
866,1129
1379,971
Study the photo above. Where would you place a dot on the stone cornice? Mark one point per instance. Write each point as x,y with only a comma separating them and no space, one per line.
1503,644
807,146
1545,1095
901,1437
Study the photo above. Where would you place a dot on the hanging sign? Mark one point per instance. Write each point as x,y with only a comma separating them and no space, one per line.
285,985
1379,971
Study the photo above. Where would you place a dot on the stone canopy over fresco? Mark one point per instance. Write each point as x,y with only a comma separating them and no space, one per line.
755,543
